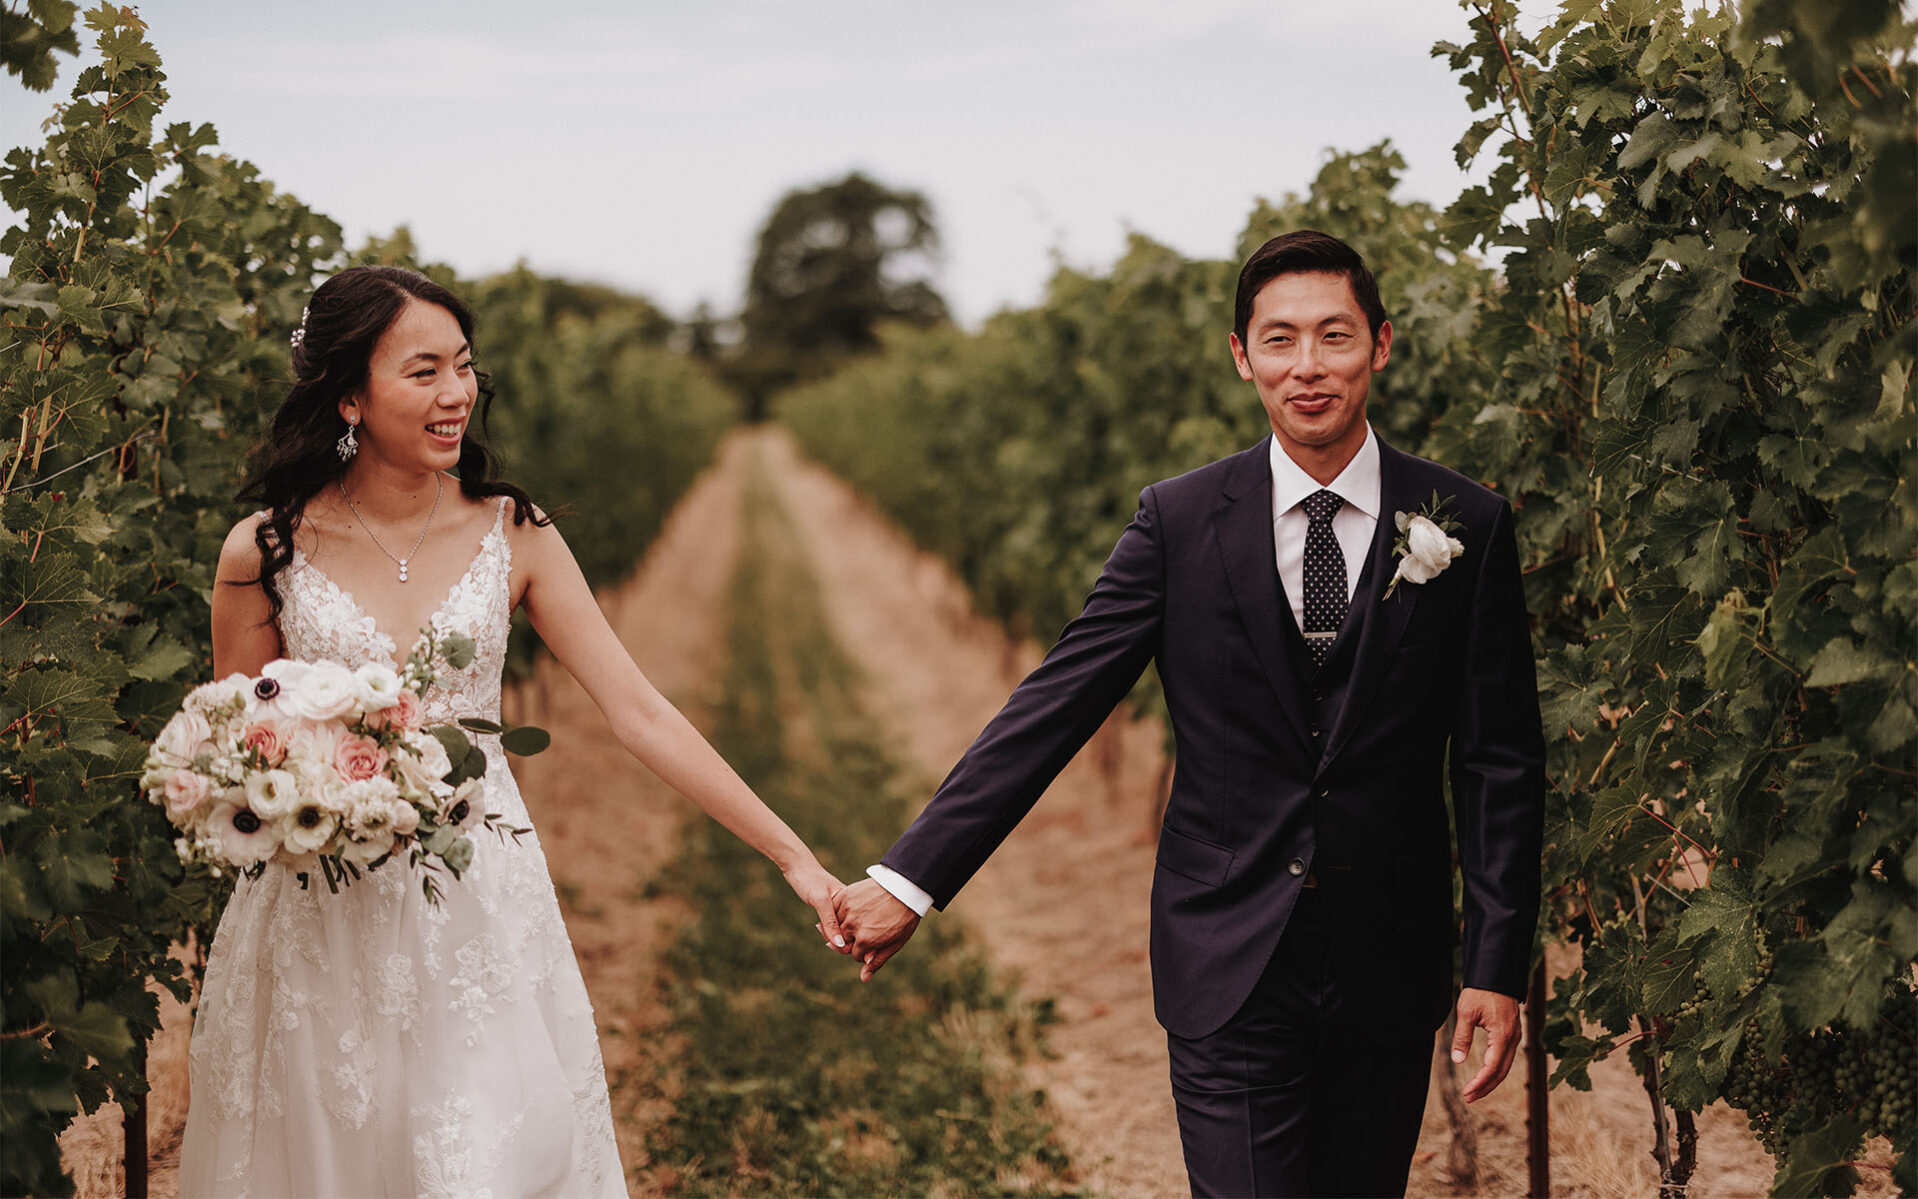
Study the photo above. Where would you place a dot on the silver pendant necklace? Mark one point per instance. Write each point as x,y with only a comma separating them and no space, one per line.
441,479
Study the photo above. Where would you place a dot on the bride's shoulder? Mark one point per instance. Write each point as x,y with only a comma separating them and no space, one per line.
531,531
240,553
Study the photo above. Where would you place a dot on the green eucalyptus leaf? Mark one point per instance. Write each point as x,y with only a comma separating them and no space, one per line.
525,740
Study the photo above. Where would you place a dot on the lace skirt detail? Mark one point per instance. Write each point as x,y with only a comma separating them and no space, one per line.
367,1043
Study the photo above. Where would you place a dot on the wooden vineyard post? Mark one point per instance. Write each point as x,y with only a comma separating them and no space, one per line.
133,1120
1462,1156
1538,1119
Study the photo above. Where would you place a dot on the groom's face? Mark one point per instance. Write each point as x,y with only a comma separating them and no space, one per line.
1310,353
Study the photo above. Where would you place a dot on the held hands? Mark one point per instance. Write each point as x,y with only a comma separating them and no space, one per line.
1498,1015
817,886
877,924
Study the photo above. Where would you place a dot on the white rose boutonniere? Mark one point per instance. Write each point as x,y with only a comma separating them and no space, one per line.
1425,545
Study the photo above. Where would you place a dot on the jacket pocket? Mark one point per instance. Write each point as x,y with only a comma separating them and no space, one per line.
1200,861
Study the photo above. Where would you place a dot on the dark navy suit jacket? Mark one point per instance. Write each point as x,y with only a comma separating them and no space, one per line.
1193,585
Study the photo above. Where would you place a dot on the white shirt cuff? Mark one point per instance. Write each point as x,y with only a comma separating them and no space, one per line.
901,888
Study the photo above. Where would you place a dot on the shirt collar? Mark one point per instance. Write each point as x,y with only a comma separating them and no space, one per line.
1357,484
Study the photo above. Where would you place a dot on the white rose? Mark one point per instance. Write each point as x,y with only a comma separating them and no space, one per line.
377,686
326,691
1427,551
272,793
406,817
182,739
430,755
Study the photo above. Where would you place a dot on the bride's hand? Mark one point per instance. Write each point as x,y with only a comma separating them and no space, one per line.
816,885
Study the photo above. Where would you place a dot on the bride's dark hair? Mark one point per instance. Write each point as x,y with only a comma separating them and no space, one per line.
347,317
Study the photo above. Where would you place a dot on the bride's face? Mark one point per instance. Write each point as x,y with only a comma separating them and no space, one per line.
420,391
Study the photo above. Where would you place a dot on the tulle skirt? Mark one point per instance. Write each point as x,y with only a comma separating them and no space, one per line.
367,1043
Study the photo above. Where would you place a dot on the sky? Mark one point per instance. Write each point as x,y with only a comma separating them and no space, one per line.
642,143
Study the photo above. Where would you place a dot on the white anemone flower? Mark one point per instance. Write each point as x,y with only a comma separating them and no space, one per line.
242,837
308,827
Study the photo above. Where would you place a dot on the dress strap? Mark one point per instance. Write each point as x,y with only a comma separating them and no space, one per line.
497,536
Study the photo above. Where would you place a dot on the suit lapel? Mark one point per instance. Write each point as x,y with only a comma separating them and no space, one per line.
1243,526
1385,622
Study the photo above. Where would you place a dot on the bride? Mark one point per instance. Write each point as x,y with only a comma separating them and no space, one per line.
367,1042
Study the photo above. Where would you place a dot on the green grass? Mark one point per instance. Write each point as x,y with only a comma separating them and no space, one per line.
796,1079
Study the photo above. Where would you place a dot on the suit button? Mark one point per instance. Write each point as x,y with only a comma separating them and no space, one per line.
1325,793
1315,730
1296,866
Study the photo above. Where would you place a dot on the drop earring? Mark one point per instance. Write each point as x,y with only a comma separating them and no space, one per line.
347,446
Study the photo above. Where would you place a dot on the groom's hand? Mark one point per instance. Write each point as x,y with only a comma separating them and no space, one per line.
878,924
1498,1015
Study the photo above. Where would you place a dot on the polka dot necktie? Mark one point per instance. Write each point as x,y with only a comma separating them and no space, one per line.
1326,596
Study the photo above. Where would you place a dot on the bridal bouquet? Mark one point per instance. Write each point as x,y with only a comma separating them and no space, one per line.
314,764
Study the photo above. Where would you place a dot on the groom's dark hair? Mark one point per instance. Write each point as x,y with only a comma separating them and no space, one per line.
1300,251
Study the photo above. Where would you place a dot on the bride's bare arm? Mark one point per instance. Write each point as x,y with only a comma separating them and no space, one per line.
244,638
568,619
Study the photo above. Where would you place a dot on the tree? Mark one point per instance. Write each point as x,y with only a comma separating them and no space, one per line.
834,263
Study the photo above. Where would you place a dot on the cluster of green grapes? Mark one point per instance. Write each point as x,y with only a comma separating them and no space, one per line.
1870,1073
1882,1070
1693,1007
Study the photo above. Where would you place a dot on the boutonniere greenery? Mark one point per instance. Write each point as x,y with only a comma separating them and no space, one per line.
1425,544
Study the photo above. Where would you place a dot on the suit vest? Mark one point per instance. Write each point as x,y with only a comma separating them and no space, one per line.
1322,689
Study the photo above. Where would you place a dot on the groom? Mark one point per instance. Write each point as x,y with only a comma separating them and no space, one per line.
1302,919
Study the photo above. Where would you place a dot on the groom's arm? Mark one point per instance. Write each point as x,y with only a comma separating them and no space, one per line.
1097,659
1498,773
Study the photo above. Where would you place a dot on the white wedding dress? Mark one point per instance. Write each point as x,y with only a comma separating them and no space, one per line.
367,1043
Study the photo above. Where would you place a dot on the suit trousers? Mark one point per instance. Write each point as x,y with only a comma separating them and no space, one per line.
1292,1097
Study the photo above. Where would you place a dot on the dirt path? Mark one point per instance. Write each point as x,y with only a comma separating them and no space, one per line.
1064,902
607,822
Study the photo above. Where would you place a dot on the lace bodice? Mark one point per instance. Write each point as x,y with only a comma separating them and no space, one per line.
323,621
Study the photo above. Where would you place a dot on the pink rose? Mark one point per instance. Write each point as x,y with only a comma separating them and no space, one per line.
406,713
185,791
356,758
269,739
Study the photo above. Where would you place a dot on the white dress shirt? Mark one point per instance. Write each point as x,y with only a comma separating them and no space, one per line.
1353,524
